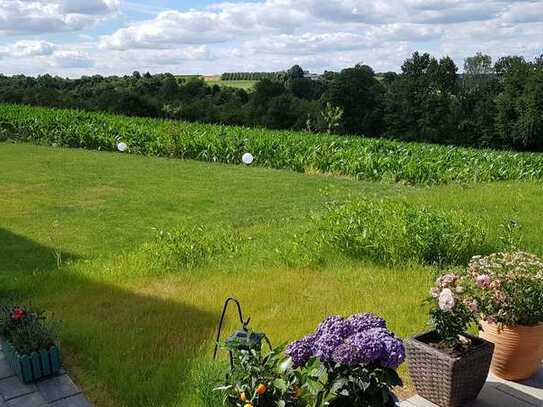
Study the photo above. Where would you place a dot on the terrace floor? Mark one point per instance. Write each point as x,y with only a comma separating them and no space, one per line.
56,391
499,393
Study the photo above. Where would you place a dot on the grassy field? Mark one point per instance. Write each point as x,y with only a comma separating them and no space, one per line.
73,224
243,84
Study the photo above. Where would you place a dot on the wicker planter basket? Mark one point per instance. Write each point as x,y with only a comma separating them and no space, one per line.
443,379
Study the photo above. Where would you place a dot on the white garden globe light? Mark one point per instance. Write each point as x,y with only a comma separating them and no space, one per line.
122,147
247,158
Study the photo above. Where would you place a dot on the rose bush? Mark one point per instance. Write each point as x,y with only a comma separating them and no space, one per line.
508,287
453,310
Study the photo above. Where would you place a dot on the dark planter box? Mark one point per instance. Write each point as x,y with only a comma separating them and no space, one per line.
446,380
37,365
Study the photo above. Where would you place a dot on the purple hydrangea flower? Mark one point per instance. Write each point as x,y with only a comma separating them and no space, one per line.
358,340
325,345
394,354
346,354
335,325
301,350
363,321
369,347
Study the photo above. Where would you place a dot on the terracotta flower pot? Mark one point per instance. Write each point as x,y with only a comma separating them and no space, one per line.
518,349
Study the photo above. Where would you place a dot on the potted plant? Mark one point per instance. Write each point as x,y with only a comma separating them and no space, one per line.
258,379
447,365
509,290
29,343
349,362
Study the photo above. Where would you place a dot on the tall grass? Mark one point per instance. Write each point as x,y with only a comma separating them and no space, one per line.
352,156
396,231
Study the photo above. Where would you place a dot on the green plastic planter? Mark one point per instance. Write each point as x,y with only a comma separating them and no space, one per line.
35,366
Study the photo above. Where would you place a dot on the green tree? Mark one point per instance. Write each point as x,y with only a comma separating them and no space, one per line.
359,94
296,72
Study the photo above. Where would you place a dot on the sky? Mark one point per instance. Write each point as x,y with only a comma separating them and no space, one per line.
111,37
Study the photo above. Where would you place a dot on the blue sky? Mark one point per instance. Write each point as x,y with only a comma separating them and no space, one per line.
83,37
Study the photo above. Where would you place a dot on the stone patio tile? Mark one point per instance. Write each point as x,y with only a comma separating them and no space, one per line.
12,387
529,395
490,396
5,370
75,401
527,390
57,387
30,400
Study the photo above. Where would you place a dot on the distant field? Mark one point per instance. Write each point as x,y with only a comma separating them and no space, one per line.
247,84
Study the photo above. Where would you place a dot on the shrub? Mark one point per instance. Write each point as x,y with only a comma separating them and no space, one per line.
508,287
395,231
349,361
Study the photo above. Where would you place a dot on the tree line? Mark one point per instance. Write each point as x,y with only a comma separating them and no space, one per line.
252,76
491,104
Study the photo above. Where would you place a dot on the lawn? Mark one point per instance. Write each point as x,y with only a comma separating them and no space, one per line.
73,224
243,84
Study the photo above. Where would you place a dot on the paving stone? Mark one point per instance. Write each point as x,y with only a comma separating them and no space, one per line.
529,397
12,387
490,396
75,401
5,370
57,387
30,400
535,381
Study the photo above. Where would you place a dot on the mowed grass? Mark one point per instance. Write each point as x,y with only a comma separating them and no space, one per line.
136,338
242,84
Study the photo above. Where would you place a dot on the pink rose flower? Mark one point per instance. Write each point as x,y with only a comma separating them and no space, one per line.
434,292
473,306
483,280
446,300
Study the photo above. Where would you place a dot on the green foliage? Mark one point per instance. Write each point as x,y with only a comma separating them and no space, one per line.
357,157
346,386
519,120
262,380
395,232
358,93
331,116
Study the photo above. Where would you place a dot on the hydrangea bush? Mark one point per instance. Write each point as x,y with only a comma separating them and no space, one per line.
350,361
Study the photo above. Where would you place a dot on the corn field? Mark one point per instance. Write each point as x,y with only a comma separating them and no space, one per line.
362,158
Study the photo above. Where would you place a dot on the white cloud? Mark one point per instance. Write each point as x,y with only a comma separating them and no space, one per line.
44,16
265,34
27,48
72,59
92,7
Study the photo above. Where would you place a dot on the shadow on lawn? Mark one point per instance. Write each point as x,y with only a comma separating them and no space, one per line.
125,347
19,254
